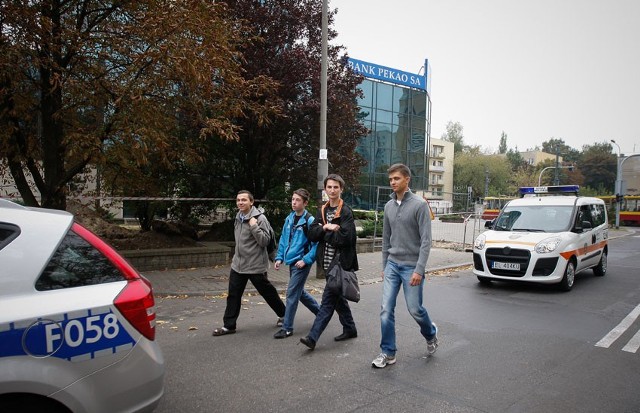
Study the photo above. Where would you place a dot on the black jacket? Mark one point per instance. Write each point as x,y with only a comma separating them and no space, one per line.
344,240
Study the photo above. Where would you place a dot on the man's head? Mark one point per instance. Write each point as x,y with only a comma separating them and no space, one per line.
333,186
399,177
299,199
334,177
244,201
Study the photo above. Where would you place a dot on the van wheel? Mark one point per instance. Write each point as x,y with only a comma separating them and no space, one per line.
484,280
601,269
569,277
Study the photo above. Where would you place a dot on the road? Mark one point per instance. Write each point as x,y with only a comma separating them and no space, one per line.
503,348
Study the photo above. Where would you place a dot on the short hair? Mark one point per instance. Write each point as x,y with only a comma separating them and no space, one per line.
334,177
302,193
244,191
399,167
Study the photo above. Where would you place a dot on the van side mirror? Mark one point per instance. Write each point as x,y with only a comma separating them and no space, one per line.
489,224
586,225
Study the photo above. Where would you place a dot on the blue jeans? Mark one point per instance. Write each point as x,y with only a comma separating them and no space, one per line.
296,293
332,302
396,275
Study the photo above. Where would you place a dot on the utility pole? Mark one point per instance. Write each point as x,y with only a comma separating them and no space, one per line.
323,159
556,179
486,182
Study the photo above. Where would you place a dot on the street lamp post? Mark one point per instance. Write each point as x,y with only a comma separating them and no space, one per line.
618,187
556,179
323,159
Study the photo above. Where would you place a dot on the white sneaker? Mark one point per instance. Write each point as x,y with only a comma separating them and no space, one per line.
383,360
432,345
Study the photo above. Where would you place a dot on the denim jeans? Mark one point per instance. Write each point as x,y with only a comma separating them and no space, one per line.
332,302
296,293
396,275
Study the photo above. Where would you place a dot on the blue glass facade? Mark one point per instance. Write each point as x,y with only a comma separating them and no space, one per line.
398,119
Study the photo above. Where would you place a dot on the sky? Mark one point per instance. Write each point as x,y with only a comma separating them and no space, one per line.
564,69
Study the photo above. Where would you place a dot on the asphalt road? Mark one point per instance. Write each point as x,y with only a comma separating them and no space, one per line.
503,348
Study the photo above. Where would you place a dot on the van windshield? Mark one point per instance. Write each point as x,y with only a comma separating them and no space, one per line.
534,218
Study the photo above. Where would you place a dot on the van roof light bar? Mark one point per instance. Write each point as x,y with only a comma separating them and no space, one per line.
549,190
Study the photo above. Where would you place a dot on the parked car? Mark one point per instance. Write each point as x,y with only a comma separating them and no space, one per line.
77,321
544,237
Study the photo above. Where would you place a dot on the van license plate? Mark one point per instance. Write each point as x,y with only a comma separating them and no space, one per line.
510,266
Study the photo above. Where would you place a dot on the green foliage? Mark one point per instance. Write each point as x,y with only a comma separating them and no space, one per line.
472,170
454,134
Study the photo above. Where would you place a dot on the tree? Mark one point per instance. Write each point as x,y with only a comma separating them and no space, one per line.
473,170
454,134
503,143
600,162
286,48
558,145
86,81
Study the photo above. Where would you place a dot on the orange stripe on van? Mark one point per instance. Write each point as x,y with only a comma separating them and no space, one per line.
583,251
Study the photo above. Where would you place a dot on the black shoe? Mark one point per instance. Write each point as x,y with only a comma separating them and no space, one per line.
283,334
346,336
308,342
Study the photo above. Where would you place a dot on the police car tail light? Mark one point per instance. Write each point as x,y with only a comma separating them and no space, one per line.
135,302
137,305
547,245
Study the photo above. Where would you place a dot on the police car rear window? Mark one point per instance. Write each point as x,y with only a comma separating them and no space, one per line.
77,263
8,233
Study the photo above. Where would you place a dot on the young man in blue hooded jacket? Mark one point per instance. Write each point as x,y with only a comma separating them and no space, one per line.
298,252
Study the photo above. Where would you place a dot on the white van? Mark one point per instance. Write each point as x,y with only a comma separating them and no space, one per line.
544,237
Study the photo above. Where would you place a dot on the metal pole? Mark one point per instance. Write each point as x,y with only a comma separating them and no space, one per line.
556,179
323,161
618,184
540,176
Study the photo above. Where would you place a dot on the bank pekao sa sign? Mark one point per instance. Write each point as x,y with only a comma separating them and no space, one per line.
388,74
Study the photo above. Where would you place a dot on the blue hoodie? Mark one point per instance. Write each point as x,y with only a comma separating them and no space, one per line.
293,241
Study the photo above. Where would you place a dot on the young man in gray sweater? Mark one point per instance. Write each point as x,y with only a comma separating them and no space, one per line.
406,242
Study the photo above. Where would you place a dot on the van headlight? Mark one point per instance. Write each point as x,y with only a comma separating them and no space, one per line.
479,242
547,245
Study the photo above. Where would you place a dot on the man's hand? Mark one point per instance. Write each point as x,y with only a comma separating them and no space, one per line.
253,221
416,279
331,227
300,264
277,264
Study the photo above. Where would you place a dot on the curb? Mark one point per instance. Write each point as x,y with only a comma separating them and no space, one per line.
251,290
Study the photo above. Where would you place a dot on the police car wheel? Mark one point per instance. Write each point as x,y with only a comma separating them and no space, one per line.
601,269
569,277
27,403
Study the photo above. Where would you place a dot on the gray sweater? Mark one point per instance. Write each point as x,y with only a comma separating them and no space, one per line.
250,256
406,234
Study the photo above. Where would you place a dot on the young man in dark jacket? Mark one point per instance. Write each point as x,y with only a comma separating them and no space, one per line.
335,232
250,263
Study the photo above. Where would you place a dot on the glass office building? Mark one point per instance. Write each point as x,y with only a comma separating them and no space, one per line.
396,109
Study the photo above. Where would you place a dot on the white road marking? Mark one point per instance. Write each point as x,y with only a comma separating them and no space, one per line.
633,344
614,334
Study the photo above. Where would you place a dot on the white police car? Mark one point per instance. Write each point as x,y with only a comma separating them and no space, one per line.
77,322
544,238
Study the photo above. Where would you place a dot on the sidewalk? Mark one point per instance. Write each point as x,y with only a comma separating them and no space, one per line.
214,280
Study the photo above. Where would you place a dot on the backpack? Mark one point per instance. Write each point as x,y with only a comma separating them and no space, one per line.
272,246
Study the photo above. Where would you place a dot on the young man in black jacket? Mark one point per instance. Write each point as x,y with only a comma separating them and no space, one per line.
335,232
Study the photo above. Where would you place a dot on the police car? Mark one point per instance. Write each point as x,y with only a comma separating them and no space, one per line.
546,236
77,322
